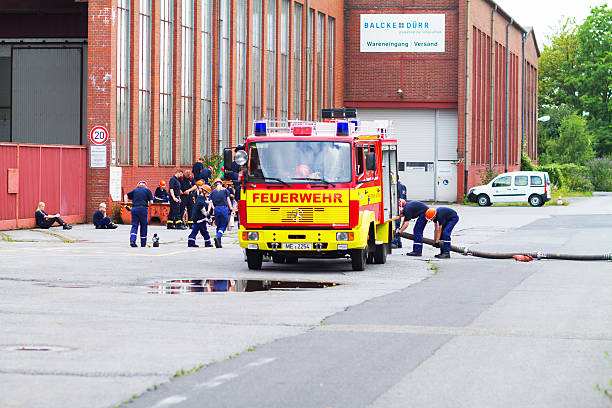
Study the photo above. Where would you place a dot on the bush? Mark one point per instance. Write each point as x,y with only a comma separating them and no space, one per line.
556,177
526,163
487,175
216,162
576,177
600,173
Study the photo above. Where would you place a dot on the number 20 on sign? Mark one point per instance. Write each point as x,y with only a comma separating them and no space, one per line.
98,135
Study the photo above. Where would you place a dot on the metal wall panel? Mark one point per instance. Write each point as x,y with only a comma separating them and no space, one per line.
29,181
73,172
447,134
46,95
50,185
8,160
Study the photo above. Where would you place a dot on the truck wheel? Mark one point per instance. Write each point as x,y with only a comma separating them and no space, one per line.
483,200
254,259
358,259
279,259
380,254
291,259
535,200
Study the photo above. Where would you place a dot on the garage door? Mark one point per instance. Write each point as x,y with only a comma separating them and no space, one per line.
416,131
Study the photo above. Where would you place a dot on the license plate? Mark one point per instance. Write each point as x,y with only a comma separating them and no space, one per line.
297,245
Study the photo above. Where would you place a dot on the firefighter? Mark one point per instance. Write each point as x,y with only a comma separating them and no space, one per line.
444,219
141,198
401,194
44,220
200,216
175,218
220,201
101,220
161,194
411,210
187,199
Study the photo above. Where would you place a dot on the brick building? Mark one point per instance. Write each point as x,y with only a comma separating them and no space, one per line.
172,80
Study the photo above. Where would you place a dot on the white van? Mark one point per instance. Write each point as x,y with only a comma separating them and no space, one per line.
532,187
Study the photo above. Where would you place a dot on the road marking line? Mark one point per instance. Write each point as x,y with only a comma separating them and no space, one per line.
466,331
173,400
261,362
217,381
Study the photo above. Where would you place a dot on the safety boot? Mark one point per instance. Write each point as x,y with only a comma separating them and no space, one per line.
413,253
443,255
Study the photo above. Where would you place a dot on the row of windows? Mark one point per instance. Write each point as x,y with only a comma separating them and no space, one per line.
311,58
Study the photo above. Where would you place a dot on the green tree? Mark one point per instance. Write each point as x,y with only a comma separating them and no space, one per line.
548,132
574,142
592,75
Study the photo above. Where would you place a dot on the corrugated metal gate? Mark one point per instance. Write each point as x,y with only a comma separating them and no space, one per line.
33,173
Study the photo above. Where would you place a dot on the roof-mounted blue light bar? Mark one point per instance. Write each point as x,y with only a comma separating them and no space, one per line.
260,129
342,129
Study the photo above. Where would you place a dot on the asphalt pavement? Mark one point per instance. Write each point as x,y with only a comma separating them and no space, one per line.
413,332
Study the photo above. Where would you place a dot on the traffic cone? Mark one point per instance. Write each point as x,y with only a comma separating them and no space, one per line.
560,200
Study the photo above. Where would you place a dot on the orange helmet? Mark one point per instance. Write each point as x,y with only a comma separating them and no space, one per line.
206,188
217,180
200,183
430,213
162,183
402,202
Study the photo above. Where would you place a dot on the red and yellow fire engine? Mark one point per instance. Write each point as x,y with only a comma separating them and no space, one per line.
318,190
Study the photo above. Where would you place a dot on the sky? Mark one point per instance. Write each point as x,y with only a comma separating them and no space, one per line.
544,15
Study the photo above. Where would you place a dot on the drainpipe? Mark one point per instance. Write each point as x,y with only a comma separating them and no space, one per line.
507,93
492,91
523,96
466,107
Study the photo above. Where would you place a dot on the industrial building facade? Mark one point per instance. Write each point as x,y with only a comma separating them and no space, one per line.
169,81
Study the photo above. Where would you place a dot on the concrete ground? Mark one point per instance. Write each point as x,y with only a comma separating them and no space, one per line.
87,292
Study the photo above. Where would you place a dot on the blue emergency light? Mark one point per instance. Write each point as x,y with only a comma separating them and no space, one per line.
260,128
342,129
354,122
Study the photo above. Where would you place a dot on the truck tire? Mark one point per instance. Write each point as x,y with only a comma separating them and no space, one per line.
483,200
291,259
254,259
278,259
380,254
535,200
358,259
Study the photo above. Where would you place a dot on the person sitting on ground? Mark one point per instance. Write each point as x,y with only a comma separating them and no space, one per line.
44,220
161,194
101,220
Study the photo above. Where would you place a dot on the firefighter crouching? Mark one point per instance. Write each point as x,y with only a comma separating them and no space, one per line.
200,216
444,219
411,210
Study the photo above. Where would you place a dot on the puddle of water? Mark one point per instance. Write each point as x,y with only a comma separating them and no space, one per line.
182,286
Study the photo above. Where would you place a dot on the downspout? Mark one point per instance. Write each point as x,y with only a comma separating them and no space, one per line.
492,91
523,96
507,144
466,107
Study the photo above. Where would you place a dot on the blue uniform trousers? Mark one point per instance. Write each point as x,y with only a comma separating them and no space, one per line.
140,217
445,238
397,240
221,219
419,226
200,227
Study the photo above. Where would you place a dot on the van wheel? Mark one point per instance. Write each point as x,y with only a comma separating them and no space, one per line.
291,259
358,259
535,200
254,259
380,254
483,200
279,259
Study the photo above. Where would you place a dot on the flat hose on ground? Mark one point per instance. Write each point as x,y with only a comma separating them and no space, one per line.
519,256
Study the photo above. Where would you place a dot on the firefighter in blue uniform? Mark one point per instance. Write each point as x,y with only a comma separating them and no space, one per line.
101,220
187,199
220,200
200,216
141,198
444,219
161,194
175,218
411,210
401,195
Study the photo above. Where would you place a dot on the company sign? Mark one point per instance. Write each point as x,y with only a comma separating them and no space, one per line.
402,32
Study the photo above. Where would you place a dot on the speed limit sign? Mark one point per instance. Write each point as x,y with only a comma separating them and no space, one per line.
98,135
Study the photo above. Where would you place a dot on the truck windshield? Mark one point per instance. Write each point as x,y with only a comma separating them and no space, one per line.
301,161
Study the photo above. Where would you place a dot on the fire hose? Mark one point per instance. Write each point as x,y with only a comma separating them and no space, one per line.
519,256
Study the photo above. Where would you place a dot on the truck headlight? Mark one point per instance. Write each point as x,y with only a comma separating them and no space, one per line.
342,236
252,236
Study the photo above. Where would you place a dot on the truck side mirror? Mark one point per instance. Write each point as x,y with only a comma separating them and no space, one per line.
227,159
370,161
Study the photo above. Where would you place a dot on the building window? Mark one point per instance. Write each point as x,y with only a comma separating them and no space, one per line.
271,60
224,73
144,84
309,39
297,61
206,79
165,81
330,61
123,82
284,52
320,55
187,82
241,70
256,64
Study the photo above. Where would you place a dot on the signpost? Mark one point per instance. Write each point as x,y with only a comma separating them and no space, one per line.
98,136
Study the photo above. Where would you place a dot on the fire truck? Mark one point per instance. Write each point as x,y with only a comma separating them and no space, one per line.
318,190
